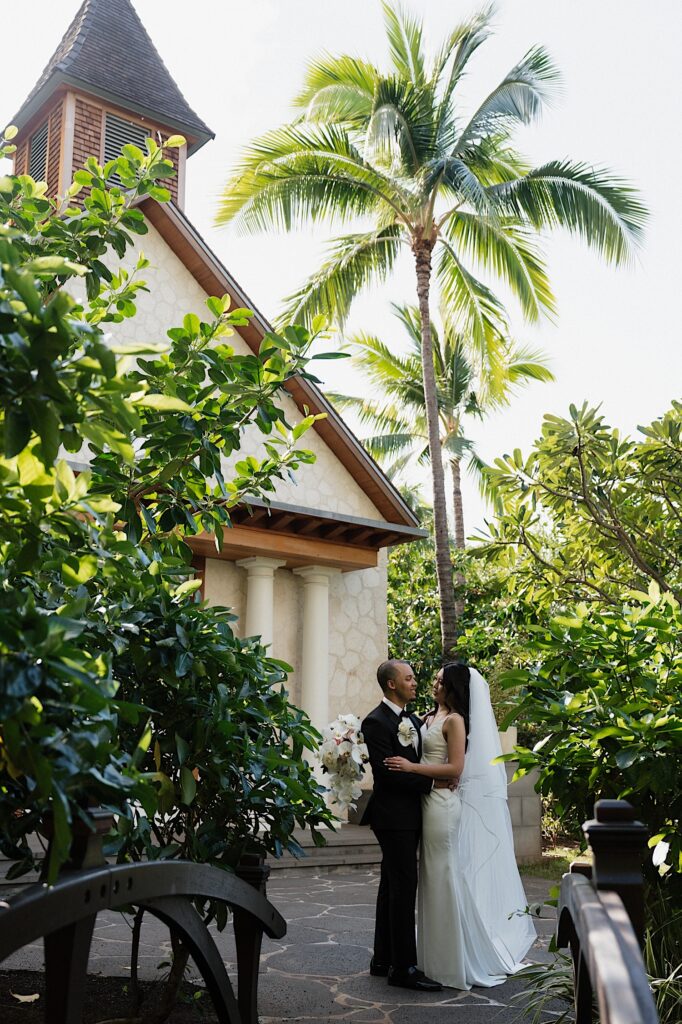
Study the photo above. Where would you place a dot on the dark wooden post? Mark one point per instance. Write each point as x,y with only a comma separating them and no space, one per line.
67,950
618,843
248,935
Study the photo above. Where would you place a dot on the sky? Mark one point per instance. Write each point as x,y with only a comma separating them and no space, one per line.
616,338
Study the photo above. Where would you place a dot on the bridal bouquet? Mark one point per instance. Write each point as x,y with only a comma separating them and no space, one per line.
343,754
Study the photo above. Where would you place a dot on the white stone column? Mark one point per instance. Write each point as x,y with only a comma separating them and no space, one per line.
260,580
315,654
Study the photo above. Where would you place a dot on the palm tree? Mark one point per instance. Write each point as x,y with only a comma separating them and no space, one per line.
394,149
397,418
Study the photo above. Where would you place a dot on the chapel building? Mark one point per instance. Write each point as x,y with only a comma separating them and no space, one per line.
307,573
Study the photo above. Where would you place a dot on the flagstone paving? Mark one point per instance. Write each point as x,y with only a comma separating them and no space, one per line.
319,970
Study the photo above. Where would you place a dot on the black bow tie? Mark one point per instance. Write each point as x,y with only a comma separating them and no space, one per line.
404,713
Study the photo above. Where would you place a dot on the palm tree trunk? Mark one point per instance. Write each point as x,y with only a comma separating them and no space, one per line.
422,249
457,506
458,516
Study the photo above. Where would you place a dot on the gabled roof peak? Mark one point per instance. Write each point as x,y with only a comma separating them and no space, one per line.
107,51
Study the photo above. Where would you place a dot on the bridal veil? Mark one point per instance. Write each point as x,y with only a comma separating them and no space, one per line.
485,841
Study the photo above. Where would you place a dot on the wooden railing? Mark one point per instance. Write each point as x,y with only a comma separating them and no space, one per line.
601,919
64,917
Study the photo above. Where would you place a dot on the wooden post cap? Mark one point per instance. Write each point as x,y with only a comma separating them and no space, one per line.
610,811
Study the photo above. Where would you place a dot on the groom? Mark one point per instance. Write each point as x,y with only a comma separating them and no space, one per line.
394,813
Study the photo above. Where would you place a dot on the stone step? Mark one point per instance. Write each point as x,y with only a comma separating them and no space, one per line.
285,866
350,847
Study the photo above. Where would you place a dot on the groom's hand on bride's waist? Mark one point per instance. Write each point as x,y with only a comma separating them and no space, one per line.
445,783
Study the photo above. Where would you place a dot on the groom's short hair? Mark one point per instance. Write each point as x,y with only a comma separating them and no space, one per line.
387,671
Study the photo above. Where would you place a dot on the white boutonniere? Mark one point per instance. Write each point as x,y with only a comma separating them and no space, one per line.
406,733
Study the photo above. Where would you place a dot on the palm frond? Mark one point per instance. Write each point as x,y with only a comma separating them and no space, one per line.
517,99
382,418
459,180
605,211
338,89
398,466
493,160
412,496
354,262
458,372
381,361
470,307
479,470
507,250
526,364
383,446
303,172
405,35
459,47
410,318
400,132
456,446
516,367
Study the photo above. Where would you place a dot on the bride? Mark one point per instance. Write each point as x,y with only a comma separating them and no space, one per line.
472,929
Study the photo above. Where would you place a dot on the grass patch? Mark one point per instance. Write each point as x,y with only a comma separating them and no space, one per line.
555,862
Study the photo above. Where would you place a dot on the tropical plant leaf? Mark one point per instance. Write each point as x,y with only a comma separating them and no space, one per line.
354,262
338,89
506,249
471,306
603,210
517,99
405,36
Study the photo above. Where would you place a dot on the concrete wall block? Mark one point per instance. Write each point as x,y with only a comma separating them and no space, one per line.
525,810
515,811
531,810
527,844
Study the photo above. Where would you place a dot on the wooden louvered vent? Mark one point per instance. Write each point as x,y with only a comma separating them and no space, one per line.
119,133
37,162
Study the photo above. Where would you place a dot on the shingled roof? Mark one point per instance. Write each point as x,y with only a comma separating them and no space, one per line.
106,50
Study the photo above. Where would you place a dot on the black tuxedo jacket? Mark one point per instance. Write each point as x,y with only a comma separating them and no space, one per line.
395,802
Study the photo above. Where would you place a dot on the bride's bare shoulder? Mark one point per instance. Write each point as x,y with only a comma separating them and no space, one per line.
452,720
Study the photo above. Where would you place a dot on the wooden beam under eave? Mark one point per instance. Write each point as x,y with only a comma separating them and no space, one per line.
296,551
334,531
309,528
254,516
363,535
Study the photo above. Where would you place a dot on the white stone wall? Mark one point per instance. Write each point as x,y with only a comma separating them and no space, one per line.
173,292
225,584
358,639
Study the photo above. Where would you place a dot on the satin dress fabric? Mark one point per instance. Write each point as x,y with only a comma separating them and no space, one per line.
456,944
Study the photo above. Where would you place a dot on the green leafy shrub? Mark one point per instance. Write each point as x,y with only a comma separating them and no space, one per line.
94,567
493,629
606,694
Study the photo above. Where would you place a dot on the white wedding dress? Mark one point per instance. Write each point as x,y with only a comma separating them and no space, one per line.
471,925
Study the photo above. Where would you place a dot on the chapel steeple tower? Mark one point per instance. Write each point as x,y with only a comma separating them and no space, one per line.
104,86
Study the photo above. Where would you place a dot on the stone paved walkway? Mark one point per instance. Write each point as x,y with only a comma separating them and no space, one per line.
319,971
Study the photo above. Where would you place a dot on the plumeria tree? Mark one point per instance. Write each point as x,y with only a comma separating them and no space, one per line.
394,149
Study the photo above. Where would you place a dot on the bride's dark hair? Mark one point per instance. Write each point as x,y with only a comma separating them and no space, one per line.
456,678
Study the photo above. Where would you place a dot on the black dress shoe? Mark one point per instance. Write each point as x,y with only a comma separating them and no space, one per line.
378,970
412,977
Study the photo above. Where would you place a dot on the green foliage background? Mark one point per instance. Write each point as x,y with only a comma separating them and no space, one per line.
116,688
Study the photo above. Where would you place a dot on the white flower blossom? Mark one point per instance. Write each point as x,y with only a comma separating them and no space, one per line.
658,856
343,754
406,733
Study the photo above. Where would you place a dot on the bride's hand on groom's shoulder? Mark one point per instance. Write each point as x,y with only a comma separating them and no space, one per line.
398,764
